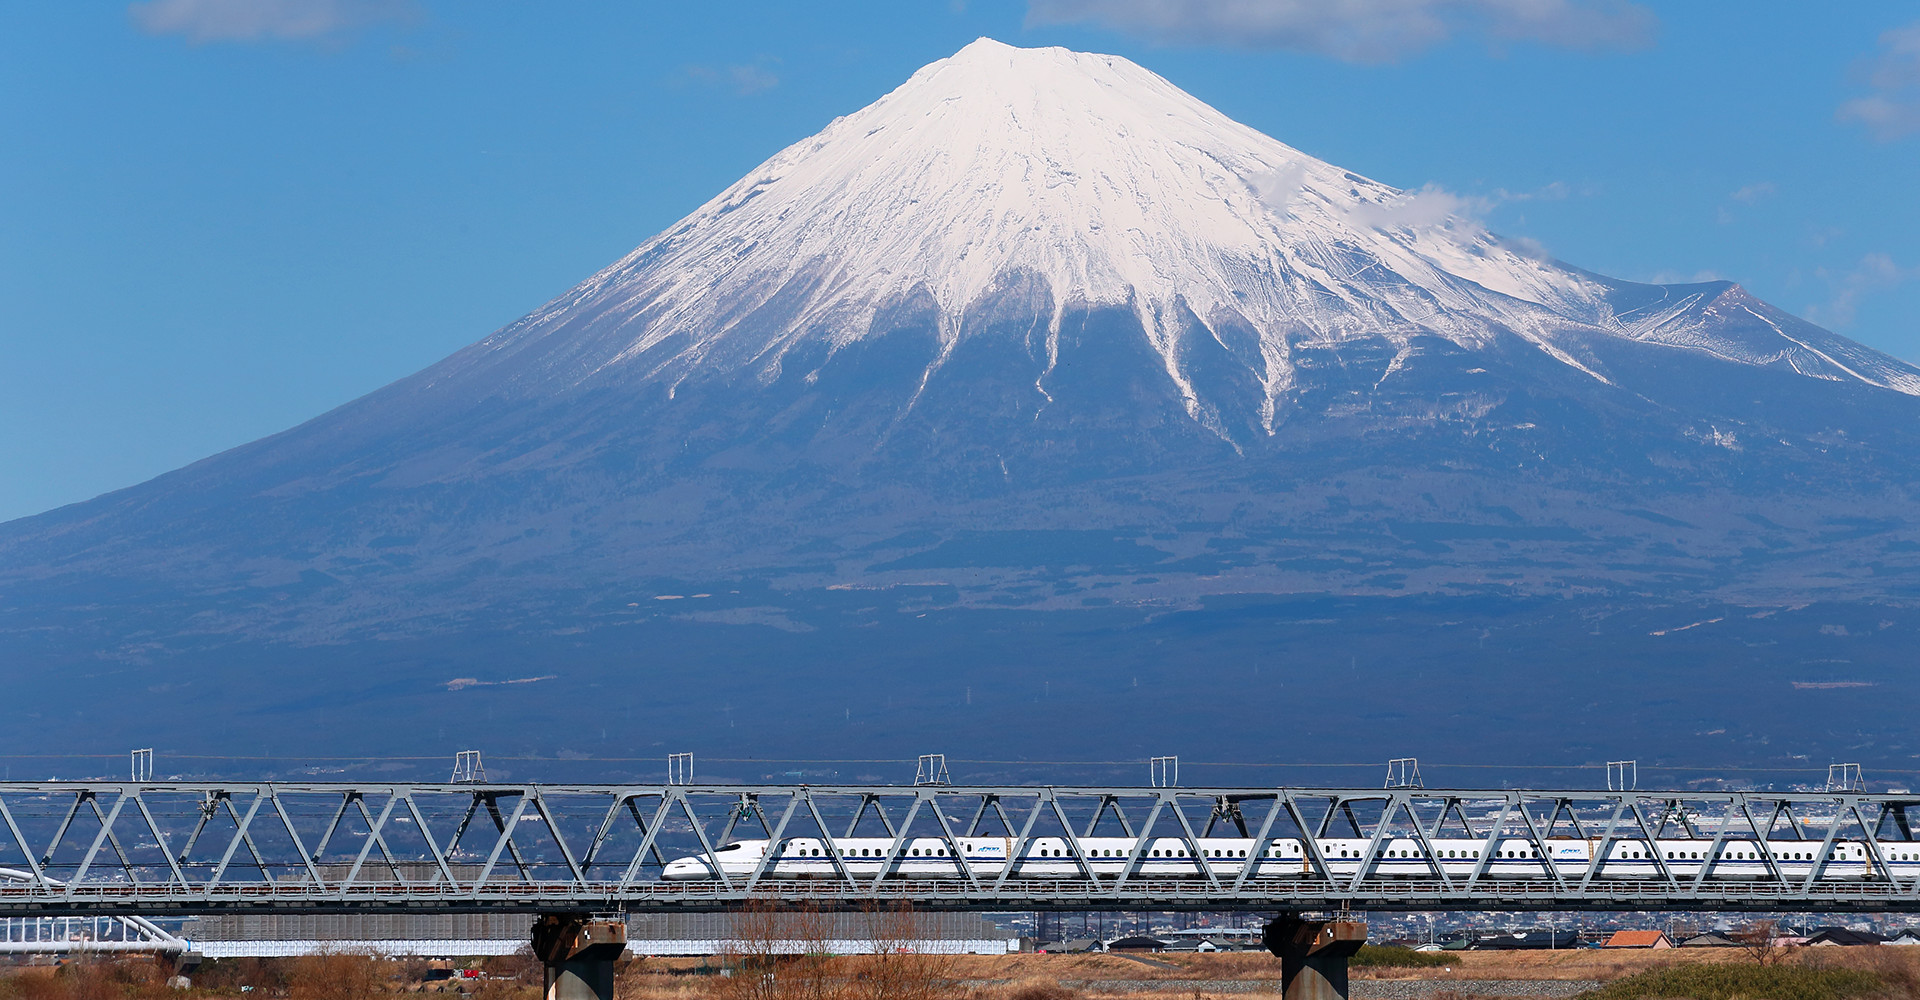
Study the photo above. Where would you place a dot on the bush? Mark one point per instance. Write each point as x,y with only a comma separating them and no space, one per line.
1039,989
1381,956
1745,982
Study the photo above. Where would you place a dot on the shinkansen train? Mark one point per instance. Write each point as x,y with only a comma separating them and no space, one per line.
1054,857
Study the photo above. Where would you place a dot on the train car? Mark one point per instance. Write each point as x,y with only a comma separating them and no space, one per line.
1227,858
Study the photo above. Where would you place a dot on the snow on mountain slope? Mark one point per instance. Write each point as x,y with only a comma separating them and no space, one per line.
1115,188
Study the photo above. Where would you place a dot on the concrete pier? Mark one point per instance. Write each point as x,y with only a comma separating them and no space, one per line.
579,952
1313,955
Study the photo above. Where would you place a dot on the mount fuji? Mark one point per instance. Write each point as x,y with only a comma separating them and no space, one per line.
1036,365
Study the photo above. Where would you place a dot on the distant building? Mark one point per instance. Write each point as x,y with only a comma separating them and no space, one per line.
1711,939
1137,942
1214,939
436,935
1638,939
1843,937
1527,940
816,933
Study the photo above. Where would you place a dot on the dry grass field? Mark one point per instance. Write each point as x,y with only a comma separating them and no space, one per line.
1711,974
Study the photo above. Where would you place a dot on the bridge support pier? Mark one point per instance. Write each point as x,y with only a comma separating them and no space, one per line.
579,952
1313,955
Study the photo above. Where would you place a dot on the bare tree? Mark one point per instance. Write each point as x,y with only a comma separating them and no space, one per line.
1761,940
898,968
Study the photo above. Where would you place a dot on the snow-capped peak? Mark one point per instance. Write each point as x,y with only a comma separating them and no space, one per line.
1111,185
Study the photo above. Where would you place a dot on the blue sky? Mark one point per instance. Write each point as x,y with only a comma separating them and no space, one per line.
223,217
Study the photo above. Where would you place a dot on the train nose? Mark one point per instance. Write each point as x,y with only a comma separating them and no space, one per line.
682,870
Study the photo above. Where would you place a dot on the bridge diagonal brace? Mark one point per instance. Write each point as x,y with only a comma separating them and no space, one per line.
460,832
1017,851
209,807
1426,847
953,842
26,850
243,832
980,813
503,841
1107,801
374,826
1871,844
1326,819
900,841
426,836
159,838
1309,841
492,802
1603,851
1262,841
1541,848
559,837
299,848
870,799
60,832
1785,808
1714,851
1492,843
833,849
333,823
1826,850
1371,858
376,832
648,837
605,831
241,823
770,856
1767,854
113,839
1652,844
106,830
1193,842
744,806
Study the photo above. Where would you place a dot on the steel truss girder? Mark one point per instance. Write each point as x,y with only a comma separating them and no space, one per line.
157,847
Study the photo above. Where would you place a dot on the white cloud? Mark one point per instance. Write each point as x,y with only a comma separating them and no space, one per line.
262,20
1429,206
1683,278
1748,195
1876,272
1433,205
1278,188
743,79
1892,111
1364,31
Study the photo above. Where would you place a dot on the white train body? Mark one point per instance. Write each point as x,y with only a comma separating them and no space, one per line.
1172,857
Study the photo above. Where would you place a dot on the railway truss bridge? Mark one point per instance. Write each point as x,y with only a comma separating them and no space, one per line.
572,855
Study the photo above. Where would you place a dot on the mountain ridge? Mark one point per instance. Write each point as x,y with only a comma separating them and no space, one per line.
1303,399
